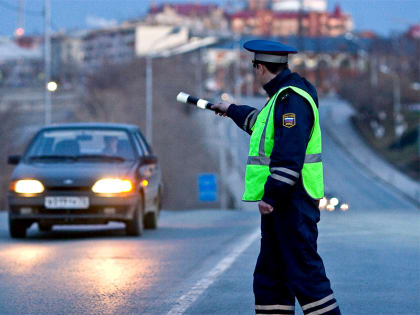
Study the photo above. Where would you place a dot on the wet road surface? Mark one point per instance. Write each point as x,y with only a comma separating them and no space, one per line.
74,270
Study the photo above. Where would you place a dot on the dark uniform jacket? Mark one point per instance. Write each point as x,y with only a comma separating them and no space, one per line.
289,143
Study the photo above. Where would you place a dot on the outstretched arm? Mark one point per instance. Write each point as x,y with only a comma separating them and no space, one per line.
244,116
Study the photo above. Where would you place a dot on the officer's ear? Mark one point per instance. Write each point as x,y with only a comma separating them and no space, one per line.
263,68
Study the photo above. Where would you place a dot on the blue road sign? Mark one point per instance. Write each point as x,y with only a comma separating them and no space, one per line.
207,188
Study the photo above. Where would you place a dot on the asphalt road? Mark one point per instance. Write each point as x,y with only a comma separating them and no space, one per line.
201,262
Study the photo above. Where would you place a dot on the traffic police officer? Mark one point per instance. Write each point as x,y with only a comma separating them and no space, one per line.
284,173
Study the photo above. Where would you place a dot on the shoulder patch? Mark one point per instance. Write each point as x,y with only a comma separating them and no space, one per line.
289,120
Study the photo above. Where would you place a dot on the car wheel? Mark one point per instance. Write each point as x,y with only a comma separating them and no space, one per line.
135,226
43,227
17,229
150,220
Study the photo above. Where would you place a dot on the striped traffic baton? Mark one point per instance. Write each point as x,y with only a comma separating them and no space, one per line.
199,102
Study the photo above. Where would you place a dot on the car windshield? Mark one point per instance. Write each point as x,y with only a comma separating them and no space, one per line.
82,144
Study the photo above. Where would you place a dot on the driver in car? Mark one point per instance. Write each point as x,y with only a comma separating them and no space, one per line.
111,145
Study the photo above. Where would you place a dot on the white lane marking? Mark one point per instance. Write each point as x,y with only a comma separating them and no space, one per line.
185,301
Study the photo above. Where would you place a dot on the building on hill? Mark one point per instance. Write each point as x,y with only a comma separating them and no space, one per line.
199,18
288,5
286,23
258,4
20,61
414,32
109,45
121,44
339,22
260,17
295,5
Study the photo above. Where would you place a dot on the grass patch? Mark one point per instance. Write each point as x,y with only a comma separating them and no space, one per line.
402,153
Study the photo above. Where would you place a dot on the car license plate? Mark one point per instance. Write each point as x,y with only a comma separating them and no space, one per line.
66,202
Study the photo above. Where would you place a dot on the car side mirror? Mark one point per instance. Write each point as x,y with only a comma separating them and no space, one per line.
148,159
14,159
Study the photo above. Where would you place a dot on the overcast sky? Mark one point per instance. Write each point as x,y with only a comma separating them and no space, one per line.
382,16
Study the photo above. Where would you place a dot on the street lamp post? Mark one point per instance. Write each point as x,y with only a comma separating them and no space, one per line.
47,62
198,73
149,84
149,98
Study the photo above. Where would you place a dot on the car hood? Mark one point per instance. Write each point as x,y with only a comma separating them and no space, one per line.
73,174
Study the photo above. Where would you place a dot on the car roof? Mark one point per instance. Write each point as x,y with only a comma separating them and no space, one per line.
101,125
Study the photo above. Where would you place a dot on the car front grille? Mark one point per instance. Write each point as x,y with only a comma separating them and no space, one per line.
67,188
90,210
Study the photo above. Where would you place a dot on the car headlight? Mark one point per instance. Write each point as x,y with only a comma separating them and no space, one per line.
334,201
344,207
323,203
112,186
27,186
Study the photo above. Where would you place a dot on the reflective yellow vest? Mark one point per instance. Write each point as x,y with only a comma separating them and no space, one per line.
261,146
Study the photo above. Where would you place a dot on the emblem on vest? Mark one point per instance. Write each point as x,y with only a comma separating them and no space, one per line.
289,120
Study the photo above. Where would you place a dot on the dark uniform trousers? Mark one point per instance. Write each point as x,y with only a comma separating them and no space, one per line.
289,266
